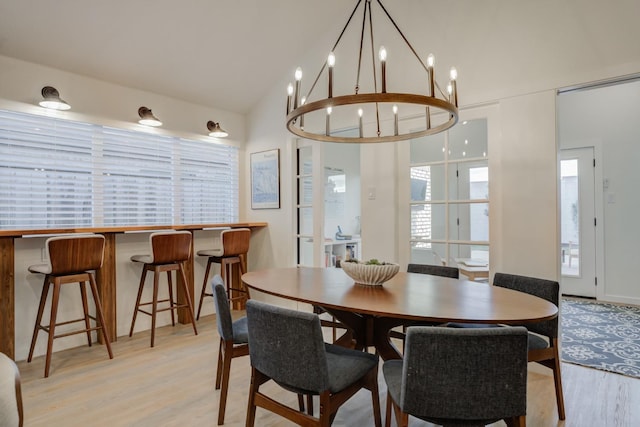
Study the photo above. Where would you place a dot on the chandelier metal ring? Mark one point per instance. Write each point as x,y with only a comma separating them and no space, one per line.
367,98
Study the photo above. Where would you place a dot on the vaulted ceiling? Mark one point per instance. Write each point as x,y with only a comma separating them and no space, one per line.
219,53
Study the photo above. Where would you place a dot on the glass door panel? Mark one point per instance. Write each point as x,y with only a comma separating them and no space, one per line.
570,218
469,180
428,253
469,221
428,221
468,140
304,206
427,183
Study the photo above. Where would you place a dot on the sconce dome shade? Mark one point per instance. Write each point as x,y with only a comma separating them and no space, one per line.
215,130
147,118
52,99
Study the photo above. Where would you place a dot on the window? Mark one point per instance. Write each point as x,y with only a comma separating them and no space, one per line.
449,178
62,174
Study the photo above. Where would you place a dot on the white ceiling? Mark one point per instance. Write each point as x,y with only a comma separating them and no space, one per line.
219,53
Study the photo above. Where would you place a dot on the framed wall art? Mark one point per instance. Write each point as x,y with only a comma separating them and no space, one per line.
265,179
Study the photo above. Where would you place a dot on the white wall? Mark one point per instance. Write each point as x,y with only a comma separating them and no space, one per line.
523,188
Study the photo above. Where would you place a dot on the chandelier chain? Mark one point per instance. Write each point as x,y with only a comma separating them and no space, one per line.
334,48
373,64
410,46
364,24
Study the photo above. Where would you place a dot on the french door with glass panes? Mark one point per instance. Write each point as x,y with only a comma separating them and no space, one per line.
449,177
308,244
577,222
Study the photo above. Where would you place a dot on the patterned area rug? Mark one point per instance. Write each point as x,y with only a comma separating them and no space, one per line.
602,336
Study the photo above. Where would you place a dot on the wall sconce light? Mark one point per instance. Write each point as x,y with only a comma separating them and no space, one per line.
215,130
147,118
52,99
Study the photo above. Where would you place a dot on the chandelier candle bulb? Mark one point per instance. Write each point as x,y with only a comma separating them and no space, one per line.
431,60
395,120
331,61
296,97
360,112
302,101
289,93
454,92
383,65
328,127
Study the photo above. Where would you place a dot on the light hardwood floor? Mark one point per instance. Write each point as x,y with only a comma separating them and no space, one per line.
173,385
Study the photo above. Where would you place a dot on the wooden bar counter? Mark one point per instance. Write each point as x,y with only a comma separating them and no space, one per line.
105,277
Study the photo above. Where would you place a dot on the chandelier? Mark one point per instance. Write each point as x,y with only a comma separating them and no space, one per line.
440,108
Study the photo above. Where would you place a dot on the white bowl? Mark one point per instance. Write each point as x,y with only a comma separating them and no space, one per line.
370,274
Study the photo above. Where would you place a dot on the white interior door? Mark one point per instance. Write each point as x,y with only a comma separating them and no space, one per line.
578,222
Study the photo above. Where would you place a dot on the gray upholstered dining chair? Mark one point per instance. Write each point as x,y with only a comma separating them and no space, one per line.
287,346
10,393
434,270
455,377
234,341
543,336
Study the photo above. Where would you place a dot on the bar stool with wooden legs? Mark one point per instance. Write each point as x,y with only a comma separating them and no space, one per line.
169,251
71,260
235,245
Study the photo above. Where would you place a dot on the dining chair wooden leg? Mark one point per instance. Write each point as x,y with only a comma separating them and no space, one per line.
256,379
52,325
171,300
226,371
219,367
520,421
85,310
402,419
36,328
135,310
310,404
301,402
557,377
387,412
203,291
154,307
371,384
325,414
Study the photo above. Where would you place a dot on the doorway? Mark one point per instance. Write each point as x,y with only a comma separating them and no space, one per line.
578,222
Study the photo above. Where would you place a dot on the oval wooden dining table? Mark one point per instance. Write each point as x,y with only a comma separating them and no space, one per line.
370,312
